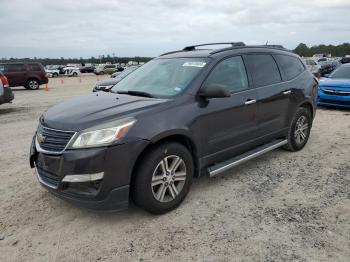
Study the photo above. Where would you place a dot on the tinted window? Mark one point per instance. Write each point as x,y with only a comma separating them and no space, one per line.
264,70
15,68
310,62
34,67
290,66
229,73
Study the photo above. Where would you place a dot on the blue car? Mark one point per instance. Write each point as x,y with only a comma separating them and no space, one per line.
334,89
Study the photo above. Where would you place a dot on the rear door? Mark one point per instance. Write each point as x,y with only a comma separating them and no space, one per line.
226,123
16,74
272,94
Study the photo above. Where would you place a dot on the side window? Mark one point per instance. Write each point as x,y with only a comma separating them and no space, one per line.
229,73
291,66
263,69
15,68
34,67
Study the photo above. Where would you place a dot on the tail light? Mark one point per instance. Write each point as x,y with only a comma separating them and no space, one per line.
4,81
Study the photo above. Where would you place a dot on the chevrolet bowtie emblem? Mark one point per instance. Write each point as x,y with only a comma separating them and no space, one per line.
40,138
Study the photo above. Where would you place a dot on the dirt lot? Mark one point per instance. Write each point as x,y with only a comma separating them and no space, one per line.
281,207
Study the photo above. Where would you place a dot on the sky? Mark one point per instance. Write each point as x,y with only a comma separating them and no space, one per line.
65,28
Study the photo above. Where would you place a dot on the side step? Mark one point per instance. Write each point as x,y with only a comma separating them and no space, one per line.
235,161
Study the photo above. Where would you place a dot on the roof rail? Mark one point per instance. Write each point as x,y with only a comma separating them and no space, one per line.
193,47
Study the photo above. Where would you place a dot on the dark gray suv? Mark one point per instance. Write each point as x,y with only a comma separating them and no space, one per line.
182,115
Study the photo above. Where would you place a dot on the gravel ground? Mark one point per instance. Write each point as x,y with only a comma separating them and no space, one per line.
280,207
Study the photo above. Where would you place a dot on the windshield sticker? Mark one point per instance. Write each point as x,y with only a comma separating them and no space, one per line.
195,64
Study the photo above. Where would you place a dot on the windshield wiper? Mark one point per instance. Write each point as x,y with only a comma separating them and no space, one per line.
135,93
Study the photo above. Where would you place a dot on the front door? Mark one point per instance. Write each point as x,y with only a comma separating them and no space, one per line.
227,123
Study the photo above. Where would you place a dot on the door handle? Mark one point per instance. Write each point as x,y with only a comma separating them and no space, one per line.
287,92
250,101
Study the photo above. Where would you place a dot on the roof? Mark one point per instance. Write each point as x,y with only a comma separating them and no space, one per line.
192,51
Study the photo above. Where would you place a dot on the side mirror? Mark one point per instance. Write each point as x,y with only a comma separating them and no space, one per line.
214,91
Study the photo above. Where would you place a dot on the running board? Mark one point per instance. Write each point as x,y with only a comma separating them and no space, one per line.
223,166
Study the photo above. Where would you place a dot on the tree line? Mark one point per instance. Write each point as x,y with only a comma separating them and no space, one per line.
334,50
302,50
63,61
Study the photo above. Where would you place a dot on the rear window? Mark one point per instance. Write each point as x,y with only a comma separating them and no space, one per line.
291,66
34,67
263,69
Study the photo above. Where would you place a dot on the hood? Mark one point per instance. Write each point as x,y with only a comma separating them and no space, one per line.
107,82
87,111
339,83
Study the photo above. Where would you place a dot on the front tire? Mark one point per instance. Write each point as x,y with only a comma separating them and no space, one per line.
299,130
163,178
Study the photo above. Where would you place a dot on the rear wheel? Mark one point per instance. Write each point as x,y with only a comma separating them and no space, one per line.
163,178
75,74
55,75
32,84
299,130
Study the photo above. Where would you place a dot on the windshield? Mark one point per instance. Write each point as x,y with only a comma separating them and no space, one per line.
162,77
125,72
341,72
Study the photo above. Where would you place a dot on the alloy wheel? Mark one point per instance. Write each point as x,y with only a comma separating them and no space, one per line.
33,84
301,130
168,178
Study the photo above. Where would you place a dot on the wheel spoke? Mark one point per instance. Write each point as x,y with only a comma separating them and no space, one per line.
180,176
175,164
304,127
303,136
298,138
161,193
165,164
163,167
157,180
172,192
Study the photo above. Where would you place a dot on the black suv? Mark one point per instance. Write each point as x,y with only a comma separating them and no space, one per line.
182,115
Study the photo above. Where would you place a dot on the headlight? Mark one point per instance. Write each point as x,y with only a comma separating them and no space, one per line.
104,134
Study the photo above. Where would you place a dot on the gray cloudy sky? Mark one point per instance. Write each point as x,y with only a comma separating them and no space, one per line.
50,28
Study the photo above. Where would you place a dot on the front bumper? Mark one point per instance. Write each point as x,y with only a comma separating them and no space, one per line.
324,99
111,193
7,96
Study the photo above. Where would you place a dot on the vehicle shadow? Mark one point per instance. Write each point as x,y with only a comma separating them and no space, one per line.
8,110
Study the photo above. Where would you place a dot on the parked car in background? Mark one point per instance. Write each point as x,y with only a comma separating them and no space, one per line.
72,71
185,114
52,72
328,66
345,60
107,84
105,69
335,88
29,75
6,94
313,66
87,69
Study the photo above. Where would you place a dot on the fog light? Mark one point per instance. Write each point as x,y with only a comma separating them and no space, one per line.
83,178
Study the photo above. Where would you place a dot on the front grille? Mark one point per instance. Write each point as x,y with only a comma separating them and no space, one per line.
53,140
337,102
48,178
336,92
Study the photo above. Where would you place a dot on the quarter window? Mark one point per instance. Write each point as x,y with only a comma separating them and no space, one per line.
291,66
230,74
263,69
34,67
